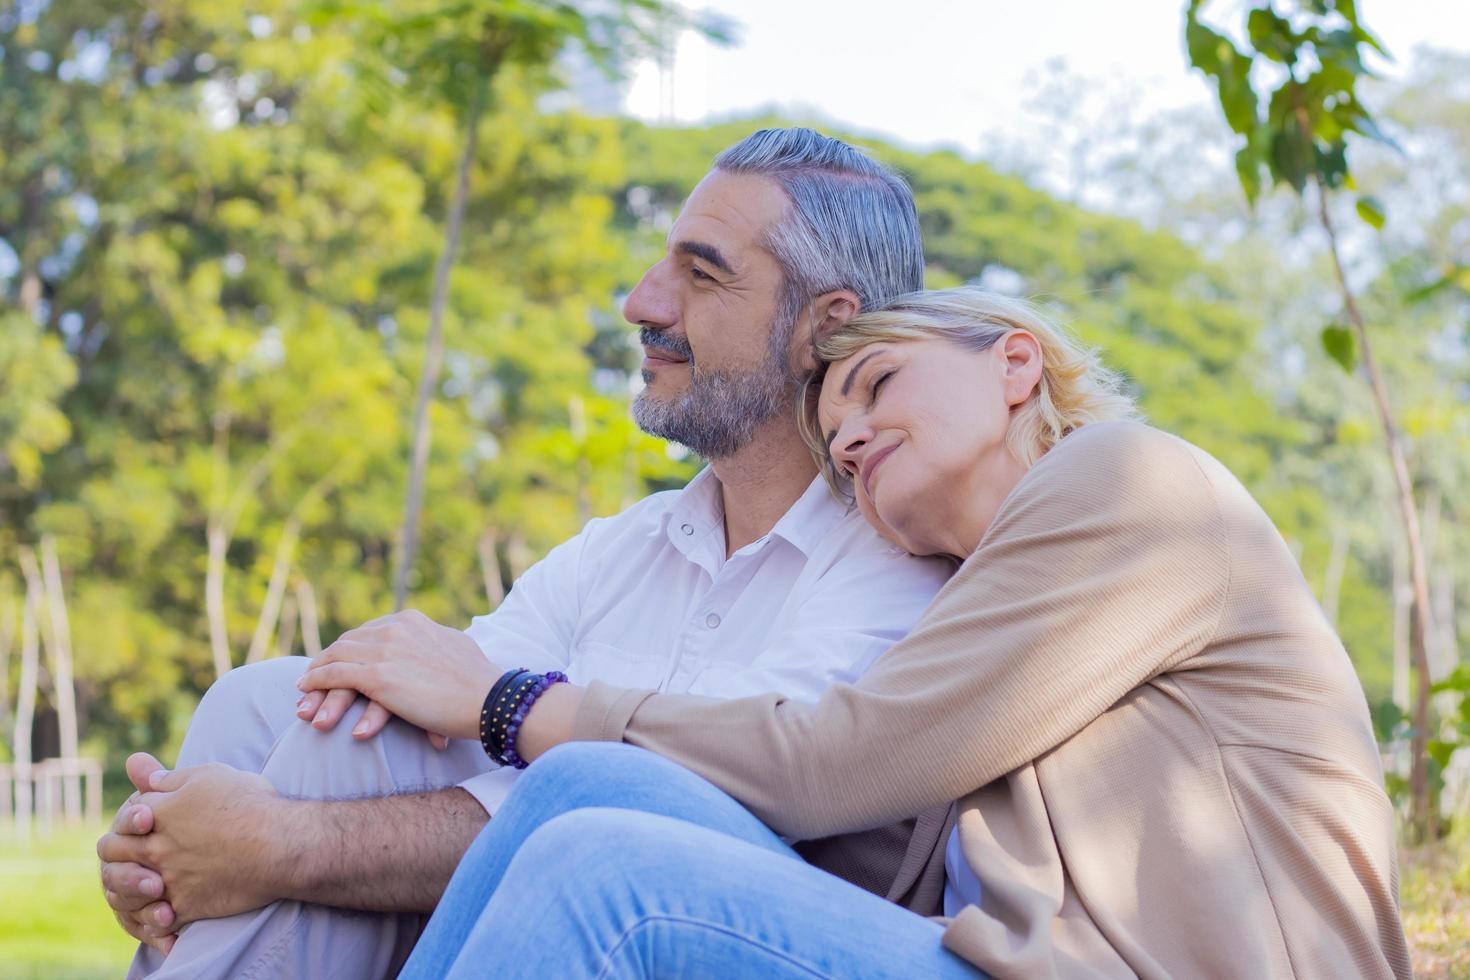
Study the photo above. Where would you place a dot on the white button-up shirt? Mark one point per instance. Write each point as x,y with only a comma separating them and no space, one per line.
649,599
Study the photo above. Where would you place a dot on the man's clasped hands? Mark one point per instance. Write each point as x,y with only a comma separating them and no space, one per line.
162,861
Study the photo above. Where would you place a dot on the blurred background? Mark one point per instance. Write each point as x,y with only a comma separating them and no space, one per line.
311,309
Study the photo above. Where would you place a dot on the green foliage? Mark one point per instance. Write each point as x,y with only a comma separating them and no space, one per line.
235,235
1301,134
1340,345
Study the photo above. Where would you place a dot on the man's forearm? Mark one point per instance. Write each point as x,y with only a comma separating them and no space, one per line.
384,854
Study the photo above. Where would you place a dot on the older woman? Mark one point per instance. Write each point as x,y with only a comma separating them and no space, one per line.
1134,743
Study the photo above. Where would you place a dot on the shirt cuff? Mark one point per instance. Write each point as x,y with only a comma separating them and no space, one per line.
606,711
490,788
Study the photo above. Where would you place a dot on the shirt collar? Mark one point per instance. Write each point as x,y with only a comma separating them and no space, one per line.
700,509
808,520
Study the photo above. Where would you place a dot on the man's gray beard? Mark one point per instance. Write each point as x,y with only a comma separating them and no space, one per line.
720,412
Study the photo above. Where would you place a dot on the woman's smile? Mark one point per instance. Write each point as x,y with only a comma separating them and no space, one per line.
870,466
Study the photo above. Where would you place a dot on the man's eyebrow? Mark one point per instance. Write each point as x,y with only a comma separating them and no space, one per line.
703,250
852,375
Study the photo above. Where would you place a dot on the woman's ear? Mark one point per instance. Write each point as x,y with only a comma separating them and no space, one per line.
825,315
1022,353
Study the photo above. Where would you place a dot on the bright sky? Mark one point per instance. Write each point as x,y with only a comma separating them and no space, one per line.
952,71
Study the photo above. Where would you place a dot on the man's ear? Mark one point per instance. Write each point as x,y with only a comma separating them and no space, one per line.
827,314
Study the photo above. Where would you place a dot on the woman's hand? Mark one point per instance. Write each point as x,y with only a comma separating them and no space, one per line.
430,675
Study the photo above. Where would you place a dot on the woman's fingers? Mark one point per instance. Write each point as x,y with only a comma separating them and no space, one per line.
334,706
310,704
438,741
359,677
372,721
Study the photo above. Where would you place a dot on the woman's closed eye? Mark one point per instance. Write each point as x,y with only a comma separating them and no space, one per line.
879,382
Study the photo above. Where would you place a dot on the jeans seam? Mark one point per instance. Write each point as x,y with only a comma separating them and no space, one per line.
607,960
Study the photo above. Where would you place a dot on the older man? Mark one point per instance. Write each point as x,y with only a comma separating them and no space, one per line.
308,851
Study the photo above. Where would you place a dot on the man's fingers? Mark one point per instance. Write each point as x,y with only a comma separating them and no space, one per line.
140,767
373,719
440,742
131,818
158,919
166,781
310,704
333,708
130,886
112,848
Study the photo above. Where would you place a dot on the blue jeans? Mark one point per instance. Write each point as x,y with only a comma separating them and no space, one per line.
609,861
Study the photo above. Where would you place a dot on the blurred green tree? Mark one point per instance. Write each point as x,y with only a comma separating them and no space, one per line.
1313,58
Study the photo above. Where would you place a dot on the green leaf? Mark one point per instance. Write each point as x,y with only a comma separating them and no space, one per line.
1387,717
1331,163
1440,751
1457,680
1340,345
1371,211
1248,169
1292,156
1205,46
1272,36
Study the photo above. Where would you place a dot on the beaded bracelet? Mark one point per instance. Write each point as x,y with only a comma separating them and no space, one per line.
511,756
496,711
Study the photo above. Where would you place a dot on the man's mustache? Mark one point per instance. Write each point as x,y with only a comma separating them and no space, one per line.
663,340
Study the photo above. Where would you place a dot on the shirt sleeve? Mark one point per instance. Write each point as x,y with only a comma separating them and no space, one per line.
862,606
1106,566
532,628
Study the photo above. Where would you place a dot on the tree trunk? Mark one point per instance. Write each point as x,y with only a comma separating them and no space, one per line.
25,708
7,644
1403,597
275,593
577,419
217,537
225,507
311,634
1424,820
62,675
490,570
214,598
434,353
518,556
265,625
286,636
1336,569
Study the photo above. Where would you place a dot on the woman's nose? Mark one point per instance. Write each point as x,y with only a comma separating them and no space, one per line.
847,446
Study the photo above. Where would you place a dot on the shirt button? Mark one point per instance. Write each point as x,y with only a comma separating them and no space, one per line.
687,528
711,620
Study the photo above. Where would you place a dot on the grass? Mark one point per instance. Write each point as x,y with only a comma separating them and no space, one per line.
1434,891
54,924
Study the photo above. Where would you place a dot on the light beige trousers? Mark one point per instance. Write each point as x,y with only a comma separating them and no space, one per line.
248,720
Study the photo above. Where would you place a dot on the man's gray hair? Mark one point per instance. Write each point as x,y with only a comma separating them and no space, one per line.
852,223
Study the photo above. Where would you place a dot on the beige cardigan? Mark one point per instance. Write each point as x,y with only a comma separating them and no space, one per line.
1161,756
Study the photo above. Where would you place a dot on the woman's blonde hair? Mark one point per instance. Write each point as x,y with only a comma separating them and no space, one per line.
1075,388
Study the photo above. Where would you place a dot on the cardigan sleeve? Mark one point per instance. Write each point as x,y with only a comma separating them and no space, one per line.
1106,566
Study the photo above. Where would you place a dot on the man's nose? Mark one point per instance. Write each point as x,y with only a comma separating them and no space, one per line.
653,302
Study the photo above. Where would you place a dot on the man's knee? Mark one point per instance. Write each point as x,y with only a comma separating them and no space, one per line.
243,714
255,687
